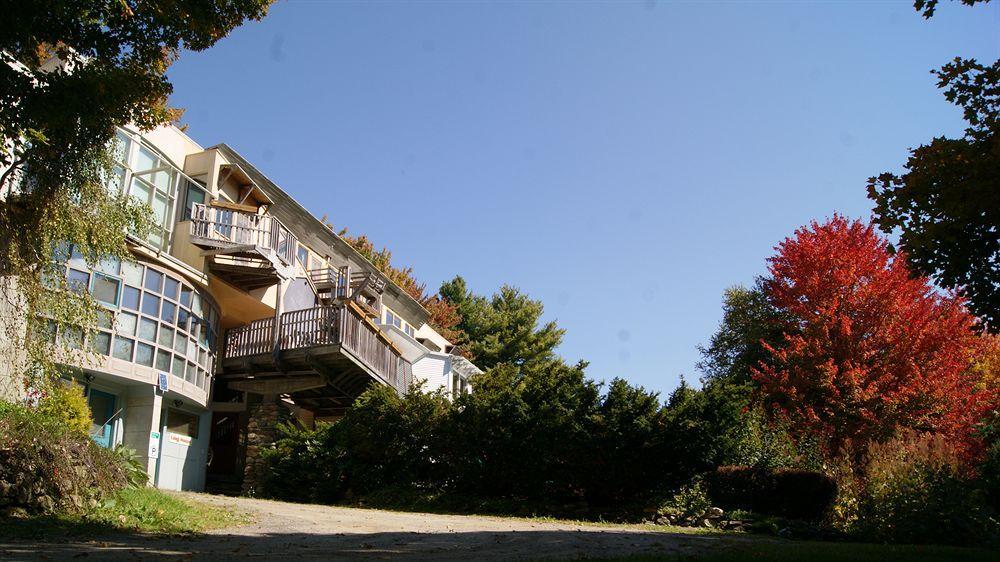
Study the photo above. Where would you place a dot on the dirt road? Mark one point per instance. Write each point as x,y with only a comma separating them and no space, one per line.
289,531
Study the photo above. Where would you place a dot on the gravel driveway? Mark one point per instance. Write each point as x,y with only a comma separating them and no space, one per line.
290,531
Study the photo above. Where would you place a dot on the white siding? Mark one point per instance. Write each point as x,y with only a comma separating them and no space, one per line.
433,369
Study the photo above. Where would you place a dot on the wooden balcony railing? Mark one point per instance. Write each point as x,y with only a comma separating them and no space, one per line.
339,324
337,280
228,228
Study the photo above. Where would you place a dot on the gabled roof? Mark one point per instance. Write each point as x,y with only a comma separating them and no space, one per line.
314,233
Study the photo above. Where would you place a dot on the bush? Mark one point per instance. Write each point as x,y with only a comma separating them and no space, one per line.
305,465
691,500
916,489
792,493
64,401
47,466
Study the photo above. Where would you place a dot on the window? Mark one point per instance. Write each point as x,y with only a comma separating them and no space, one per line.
130,298
154,280
72,337
182,423
177,368
147,329
150,180
106,289
144,354
166,337
303,255
132,273
162,361
170,286
123,348
393,320
195,195
78,280
125,323
150,305
142,308
168,312
409,330
100,342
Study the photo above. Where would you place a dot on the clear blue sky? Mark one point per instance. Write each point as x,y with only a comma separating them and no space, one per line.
623,162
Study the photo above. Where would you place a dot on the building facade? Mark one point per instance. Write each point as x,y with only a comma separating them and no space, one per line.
239,308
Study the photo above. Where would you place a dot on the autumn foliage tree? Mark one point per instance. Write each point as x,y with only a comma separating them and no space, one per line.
444,316
877,348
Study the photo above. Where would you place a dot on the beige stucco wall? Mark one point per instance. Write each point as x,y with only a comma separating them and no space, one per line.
12,330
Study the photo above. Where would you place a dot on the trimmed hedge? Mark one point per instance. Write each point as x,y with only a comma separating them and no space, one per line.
787,492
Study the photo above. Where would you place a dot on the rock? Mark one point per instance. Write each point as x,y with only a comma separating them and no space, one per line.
662,520
707,523
715,512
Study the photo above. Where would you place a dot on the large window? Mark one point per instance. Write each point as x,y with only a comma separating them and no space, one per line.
152,317
395,320
149,178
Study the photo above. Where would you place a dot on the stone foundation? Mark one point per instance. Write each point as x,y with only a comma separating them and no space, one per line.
264,417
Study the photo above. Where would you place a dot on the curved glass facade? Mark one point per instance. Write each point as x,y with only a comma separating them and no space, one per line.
155,318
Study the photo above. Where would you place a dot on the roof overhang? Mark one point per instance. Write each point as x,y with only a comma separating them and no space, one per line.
248,185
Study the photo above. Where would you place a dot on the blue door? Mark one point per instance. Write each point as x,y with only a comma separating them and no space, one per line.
102,410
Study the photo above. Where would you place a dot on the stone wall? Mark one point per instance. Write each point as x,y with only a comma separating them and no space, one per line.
264,417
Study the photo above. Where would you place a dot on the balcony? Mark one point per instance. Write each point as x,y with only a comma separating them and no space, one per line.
364,288
322,357
248,250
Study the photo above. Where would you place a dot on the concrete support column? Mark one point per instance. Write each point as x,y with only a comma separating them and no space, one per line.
263,419
142,416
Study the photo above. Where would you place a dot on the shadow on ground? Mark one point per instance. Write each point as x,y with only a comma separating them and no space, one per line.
54,539
541,544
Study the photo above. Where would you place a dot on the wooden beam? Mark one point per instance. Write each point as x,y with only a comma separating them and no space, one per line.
283,385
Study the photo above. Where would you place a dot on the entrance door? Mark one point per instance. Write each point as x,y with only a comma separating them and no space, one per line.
102,410
225,445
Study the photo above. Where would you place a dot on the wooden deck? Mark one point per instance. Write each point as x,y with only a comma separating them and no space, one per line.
247,250
323,357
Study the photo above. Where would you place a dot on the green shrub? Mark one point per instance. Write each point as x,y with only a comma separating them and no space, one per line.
792,493
915,489
135,473
47,466
691,500
64,401
305,465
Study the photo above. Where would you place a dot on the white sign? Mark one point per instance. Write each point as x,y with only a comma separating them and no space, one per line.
179,439
154,444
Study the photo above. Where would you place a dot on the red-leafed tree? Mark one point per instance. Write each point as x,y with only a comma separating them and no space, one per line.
876,348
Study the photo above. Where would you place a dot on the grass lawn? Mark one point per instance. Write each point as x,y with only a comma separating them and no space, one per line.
810,551
145,510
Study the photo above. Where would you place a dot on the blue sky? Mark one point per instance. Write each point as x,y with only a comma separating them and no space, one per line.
624,162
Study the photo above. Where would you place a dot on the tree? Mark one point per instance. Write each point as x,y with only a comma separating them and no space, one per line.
524,432
443,316
946,206
876,348
70,72
748,321
626,452
927,7
504,328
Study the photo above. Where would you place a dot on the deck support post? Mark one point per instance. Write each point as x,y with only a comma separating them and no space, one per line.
276,343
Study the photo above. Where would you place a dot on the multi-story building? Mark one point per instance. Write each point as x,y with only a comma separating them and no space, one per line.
240,305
